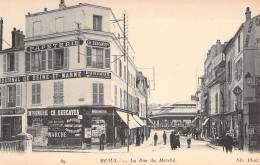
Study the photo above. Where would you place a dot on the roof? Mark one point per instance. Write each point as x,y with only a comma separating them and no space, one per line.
185,102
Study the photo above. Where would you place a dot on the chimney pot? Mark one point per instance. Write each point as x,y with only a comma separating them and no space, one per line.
29,13
45,9
248,14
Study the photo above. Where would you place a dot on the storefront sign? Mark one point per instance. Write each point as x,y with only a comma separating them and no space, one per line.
54,76
54,45
98,111
57,134
37,112
66,112
11,111
98,43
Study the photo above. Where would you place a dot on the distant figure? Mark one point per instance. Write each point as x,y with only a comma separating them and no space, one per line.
138,139
164,137
102,141
173,140
228,142
155,138
189,139
178,144
142,136
122,137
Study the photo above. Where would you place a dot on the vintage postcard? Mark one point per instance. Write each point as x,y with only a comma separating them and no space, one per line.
129,82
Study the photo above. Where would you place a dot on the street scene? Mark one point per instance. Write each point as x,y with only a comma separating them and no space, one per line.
129,82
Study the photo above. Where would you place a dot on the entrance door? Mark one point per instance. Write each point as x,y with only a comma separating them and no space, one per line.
11,127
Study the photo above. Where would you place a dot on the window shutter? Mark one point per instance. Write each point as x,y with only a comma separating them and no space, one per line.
27,62
101,94
236,72
115,62
33,94
50,60
88,60
66,58
60,91
4,96
5,56
18,95
55,97
115,95
38,89
43,60
95,93
120,97
16,58
107,58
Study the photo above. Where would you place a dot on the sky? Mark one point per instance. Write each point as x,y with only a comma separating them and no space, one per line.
172,35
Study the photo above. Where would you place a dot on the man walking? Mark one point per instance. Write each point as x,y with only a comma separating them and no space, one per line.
172,141
164,137
102,141
178,140
189,139
142,136
228,142
155,138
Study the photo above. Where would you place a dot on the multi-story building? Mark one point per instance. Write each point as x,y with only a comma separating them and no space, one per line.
12,91
74,78
232,86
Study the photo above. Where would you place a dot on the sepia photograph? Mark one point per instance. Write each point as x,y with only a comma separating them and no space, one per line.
126,82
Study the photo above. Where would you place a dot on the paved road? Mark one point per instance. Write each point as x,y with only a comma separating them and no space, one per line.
147,153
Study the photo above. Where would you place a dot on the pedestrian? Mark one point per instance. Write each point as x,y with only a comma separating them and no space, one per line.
228,142
189,139
122,137
138,139
102,141
142,136
172,140
164,137
155,138
178,140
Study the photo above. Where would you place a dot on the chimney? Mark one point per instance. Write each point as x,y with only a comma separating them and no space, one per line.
17,39
62,4
45,9
1,33
248,14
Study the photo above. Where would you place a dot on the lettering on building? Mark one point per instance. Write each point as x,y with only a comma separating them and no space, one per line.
98,43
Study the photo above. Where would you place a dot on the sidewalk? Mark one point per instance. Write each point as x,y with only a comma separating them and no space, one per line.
123,149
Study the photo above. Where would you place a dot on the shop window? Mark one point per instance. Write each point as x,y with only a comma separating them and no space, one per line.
36,93
98,94
58,92
97,23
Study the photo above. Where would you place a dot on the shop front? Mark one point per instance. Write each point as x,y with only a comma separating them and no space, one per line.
70,127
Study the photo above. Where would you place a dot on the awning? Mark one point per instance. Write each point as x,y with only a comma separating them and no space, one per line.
132,122
139,121
205,122
150,121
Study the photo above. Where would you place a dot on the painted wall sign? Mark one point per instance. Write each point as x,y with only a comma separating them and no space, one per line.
37,112
98,43
54,76
54,45
97,111
11,111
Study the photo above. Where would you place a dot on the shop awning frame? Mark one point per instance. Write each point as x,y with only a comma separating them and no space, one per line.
139,121
205,122
132,122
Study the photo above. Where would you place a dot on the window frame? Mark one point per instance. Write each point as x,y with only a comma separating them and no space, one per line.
97,26
37,93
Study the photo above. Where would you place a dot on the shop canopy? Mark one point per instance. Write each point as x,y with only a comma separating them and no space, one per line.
205,122
139,121
132,122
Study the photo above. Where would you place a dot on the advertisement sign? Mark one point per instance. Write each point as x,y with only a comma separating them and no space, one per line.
98,43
